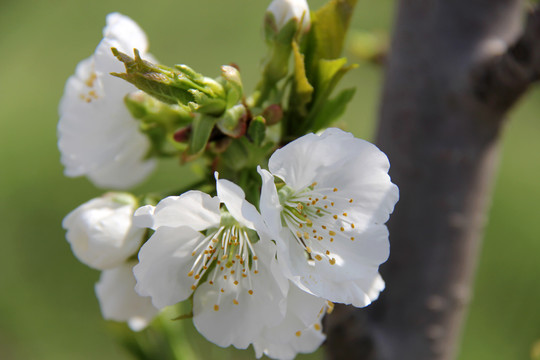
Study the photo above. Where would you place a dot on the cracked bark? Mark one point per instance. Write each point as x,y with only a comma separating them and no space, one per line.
454,70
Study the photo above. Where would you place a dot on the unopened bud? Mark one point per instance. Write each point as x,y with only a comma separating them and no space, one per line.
285,10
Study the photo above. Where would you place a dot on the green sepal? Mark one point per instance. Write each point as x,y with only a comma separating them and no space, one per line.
329,27
257,130
201,129
302,91
233,122
332,109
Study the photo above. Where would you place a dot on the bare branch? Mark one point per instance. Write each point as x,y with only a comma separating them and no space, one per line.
502,79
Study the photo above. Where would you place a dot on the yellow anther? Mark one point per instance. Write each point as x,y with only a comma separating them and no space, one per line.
327,252
255,257
331,239
309,222
335,189
300,207
232,272
344,214
250,292
342,228
332,261
197,277
211,282
314,184
335,217
331,233
301,226
320,238
244,275
298,333
190,273
193,287
214,240
318,257
314,231
225,277
306,235
308,249
193,253
330,307
222,290
298,234
324,227
205,267
256,271
352,238
318,211
351,200
221,268
326,206
325,197
313,202
331,204
352,225
205,252
235,282
235,302
317,327
216,307
224,257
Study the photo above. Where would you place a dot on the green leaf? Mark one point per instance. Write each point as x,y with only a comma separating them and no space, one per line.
329,26
302,92
329,73
201,129
332,109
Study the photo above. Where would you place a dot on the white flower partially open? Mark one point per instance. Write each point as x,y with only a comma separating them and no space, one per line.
119,301
328,217
97,136
101,233
285,10
201,248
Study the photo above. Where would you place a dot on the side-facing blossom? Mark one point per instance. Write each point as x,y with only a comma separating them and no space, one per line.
328,216
216,249
119,301
97,136
285,10
101,231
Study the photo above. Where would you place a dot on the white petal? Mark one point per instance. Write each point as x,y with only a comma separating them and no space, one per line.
164,263
300,330
240,324
101,233
234,199
119,301
269,204
195,209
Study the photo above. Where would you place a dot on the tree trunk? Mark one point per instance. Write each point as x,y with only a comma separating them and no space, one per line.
450,79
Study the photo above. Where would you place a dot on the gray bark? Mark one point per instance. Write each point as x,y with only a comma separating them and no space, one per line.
454,70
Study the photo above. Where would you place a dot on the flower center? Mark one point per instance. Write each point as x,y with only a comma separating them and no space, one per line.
226,257
317,217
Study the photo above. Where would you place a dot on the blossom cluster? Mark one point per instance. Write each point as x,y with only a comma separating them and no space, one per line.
260,272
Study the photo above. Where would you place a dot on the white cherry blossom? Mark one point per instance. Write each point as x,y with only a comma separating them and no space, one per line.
97,136
119,301
101,231
285,10
208,250
329,213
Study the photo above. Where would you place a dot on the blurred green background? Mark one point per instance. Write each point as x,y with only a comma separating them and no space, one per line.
47,305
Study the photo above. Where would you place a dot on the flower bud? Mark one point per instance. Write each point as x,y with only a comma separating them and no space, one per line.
285,10
101,233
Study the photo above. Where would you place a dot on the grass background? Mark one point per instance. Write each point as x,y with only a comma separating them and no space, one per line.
47,304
